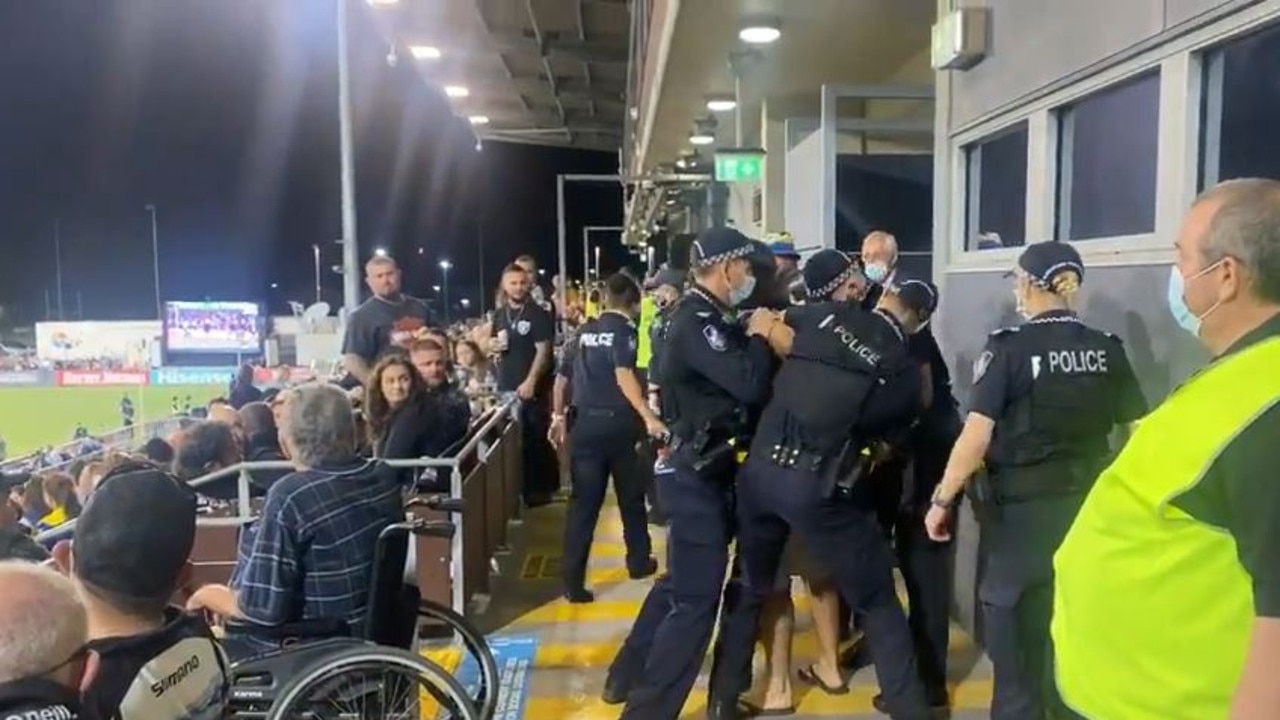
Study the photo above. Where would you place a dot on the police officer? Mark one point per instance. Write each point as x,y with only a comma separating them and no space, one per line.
609,417
663,291
1046,395
711,372
847,381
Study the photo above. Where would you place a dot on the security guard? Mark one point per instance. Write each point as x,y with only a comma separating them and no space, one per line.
1046,395
711,372
609,417
846,382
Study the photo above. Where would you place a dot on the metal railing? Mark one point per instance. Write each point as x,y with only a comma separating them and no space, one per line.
479,446
117,439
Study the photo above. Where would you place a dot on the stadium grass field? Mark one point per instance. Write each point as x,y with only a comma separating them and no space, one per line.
33,417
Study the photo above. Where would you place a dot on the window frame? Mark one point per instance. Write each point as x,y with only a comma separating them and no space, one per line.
1064,160
972,153
1181,145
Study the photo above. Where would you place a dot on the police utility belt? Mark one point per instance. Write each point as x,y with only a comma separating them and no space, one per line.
706,448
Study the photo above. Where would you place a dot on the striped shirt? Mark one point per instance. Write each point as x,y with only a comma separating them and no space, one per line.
310,556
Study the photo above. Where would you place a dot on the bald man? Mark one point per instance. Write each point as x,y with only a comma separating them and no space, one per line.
44,663
386,322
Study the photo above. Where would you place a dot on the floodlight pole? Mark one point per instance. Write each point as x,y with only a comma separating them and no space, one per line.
350,250
586,250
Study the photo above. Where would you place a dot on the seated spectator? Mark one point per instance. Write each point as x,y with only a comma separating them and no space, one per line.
60,497
403,419
127,559
206,447
158,451
471,367
243,391
451,408
43,658
309,559
15,539
261,443
34,507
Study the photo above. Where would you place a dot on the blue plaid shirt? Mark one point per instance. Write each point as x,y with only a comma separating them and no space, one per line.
310,556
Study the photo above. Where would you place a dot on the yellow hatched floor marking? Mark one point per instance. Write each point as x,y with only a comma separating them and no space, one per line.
969,695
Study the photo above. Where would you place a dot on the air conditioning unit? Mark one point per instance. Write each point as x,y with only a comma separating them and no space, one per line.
961,38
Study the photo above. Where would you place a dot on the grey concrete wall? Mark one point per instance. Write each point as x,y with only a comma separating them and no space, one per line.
1128,301
1037,42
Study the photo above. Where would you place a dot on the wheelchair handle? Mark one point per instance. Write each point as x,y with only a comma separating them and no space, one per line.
441,503
432,528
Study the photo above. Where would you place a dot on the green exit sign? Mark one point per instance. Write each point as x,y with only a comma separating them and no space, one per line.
739,166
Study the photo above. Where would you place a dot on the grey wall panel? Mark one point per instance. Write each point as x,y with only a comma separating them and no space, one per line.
1129,301
1180,11
1035,42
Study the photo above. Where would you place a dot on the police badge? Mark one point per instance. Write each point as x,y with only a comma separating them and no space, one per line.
714,337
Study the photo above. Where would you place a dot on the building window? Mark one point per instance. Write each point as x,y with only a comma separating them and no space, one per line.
1107,158
1240,105
996,190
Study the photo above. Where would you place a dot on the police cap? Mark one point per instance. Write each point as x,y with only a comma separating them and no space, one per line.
1044,260
826,271
720,244
916,294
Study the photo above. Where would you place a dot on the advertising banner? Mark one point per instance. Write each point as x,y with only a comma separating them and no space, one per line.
192,375
126,342
98,378
21,378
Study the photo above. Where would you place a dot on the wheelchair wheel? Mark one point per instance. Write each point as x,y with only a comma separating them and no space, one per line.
372,683
486,697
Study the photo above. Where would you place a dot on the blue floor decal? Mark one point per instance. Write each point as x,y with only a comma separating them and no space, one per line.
514,655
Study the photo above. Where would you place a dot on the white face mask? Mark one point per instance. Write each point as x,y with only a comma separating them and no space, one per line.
739,294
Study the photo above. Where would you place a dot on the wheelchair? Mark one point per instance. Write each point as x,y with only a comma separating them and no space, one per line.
323,672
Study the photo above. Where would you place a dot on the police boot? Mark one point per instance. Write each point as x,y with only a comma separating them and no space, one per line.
731,709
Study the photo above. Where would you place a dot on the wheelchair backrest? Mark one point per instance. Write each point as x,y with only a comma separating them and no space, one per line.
392,613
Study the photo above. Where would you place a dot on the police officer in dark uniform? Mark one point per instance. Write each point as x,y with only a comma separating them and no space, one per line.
608,418
1046,395
712,371
847,381
665,287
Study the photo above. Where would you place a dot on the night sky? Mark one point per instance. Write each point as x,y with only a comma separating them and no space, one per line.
224,115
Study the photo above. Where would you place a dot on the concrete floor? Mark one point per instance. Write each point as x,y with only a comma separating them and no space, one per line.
571,646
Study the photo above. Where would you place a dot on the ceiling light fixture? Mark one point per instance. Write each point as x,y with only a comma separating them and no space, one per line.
760,32
384,3
721,103
424,52
456,91
478,120
701,137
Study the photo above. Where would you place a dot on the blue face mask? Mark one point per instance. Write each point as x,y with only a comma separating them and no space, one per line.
877,272
739,294
1182,314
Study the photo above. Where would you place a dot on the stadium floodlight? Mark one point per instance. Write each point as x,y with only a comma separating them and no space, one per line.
425,52
435,288
456,91
760,32
466,302
445,265
380,252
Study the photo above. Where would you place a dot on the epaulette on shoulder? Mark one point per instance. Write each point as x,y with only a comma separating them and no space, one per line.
1112,336
704,314
1001,332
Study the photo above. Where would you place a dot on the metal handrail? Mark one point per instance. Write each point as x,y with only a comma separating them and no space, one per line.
507,408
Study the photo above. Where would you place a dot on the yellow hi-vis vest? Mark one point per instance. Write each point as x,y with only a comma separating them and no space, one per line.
644,350
1152,609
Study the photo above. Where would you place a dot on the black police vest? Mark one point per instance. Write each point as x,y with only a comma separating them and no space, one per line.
1054,438
839,354
691,404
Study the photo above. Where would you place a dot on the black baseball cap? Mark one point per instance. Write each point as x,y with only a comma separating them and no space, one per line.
1044,260
136,533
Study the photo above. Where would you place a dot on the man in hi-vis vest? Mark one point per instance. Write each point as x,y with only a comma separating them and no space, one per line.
1167,588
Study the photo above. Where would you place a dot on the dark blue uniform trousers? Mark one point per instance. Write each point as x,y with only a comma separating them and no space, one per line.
773,501
1016,590
661,658
602,444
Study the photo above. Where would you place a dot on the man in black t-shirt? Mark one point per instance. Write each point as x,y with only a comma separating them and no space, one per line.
387,321
127,559
521,335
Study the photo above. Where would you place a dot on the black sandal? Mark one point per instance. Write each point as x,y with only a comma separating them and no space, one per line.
757,711
810,676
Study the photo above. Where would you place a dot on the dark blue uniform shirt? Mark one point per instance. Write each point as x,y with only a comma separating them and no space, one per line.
604,345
